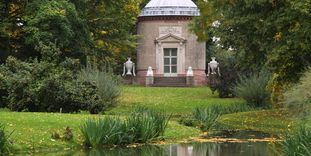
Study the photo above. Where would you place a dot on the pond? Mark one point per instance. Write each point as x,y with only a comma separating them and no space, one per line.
195,149
233,144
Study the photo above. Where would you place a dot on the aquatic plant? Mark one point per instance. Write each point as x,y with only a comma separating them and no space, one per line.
298,144
102,131
147,124
207,118
4,141
141,126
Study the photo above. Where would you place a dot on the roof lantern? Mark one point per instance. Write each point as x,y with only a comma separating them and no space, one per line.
170,8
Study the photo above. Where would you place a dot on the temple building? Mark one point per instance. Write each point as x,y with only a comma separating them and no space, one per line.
167,45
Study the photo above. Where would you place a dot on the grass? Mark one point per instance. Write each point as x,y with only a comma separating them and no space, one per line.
32,131
176,101
268,121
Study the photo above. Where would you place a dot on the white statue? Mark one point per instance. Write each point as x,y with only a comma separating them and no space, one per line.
213,67
190,71
150,71
129,66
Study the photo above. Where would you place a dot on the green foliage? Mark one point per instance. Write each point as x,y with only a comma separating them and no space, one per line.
261,32
107,84
297,144
298,98
4,141
254,88
43,86
207,118
147,124
228,70
103,131
142,126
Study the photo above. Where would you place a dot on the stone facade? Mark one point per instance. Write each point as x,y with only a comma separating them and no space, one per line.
166,44
157,34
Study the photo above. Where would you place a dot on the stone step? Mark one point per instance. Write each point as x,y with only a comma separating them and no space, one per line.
170,80
169,85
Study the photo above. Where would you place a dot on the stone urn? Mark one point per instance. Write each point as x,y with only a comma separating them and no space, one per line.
129,68
213,67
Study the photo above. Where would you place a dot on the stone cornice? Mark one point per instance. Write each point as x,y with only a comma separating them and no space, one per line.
165,18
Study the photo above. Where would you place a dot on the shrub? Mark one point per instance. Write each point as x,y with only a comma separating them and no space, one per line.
42,86
298,144
47,87
3,92
298,98
254,88
142,126
228,70
107,84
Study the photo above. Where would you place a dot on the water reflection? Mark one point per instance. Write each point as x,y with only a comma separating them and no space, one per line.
198,149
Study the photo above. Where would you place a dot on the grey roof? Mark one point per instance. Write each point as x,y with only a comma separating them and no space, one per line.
170,8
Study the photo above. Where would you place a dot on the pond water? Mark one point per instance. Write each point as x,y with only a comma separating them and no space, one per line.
196,149
243,143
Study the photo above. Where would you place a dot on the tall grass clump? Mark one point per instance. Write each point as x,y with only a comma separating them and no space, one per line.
108,86
298,144
141,126
253,88
103,131
147,124
207,117
4,142
298,98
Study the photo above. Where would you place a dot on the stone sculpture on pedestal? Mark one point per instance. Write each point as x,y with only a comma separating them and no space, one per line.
213,67
190,80
149,77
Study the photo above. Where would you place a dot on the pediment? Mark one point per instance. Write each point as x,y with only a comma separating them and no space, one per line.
170,38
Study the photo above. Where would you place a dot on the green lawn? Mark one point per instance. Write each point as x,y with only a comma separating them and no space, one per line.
33,130
270,121
171,100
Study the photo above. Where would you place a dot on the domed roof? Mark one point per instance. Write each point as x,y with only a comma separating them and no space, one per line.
170,8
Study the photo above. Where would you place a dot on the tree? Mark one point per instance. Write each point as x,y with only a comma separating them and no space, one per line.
262,33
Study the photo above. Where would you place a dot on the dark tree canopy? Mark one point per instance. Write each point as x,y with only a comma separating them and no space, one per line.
272,33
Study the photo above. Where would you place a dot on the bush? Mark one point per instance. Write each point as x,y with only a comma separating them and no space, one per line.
49,87
254,88
140,127
107,84
298,98
46,87
228,70
3,92
298,144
